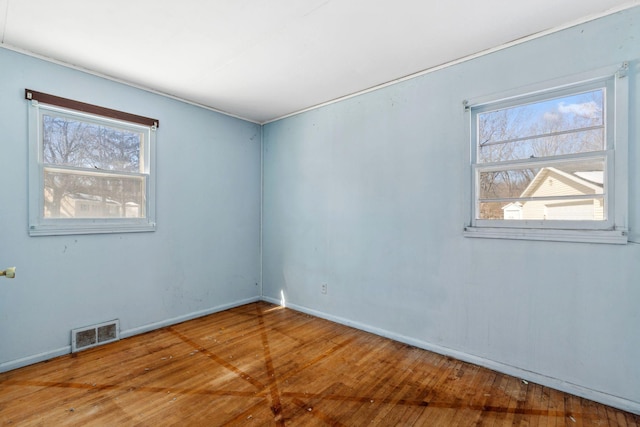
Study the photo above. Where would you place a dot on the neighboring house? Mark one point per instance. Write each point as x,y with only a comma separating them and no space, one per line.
80,205
513,211
550,182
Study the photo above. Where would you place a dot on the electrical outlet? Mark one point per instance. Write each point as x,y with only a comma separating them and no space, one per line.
323,289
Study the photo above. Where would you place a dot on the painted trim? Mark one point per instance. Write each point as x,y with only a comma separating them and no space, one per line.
123,82
36,358
627,5
261,249
179,319
41,226
612,230
555,383
581,21
47,355
604,398
613,237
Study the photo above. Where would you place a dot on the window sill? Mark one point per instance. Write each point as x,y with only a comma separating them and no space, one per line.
58,230
616,237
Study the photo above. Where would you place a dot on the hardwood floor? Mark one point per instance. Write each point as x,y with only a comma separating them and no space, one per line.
260,364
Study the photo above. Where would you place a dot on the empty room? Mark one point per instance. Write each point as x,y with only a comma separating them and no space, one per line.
316,212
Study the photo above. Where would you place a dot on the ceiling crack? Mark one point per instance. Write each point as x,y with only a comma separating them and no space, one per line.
3,26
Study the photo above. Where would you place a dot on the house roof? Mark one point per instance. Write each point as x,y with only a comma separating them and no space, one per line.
576,177
516,205
596,177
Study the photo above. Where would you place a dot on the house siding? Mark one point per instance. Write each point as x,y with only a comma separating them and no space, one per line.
555,184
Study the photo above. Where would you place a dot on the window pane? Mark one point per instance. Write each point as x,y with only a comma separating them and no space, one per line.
545,193
505,184
71,194
566,125
561,209
78,143
568,143
578,178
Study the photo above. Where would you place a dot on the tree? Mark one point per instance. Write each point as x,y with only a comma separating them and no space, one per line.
71,145
568,125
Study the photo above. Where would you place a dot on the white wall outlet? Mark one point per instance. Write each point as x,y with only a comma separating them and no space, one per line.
323,289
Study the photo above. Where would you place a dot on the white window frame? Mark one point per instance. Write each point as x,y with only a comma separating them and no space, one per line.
615,155
41,226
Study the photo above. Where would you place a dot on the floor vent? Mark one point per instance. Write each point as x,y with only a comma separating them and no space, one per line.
92,336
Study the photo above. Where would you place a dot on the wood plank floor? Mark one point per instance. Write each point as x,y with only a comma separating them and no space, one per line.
260,364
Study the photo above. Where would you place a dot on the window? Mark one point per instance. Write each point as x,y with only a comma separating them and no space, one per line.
91,169
551,164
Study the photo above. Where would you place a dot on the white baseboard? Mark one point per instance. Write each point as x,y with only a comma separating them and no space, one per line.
555,383
558,384
194,315
41,357
36,358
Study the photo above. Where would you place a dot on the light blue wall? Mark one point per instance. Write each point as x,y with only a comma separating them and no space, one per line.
205,254
368,196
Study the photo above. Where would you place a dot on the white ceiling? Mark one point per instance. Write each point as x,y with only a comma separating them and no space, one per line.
261,59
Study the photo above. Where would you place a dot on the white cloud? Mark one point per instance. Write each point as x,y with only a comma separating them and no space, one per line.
551,117
588,110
